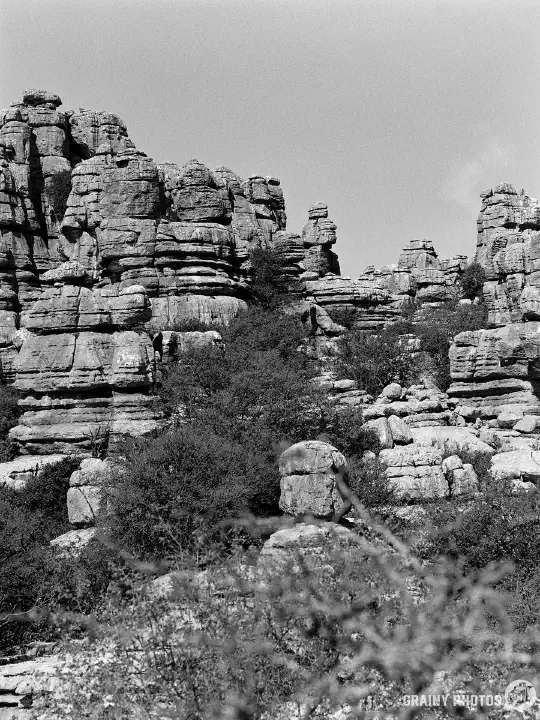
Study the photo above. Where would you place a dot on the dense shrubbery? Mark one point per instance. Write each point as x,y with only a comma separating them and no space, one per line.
235,407
32,578
9,414
267,287
497,526
376,360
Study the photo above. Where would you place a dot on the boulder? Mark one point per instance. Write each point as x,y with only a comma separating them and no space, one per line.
313,544
86,490
458,441
16,473
308,479
392,391
72,543
400,430
414,472
376,434
523,464
527,424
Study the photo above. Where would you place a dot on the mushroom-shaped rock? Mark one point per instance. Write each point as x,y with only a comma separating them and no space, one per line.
309,471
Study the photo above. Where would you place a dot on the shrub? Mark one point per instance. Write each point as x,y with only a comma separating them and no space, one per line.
314,638
495,527
268,289
9,415
472,280
233,407
175,490
368,482
437,330
58,190
32,578
375,360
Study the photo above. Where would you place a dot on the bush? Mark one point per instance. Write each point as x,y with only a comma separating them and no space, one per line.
374,361
268,289
437,330
233,406
495,527
231,643
58,190
368,482
32,578
175,490
472,280
9,415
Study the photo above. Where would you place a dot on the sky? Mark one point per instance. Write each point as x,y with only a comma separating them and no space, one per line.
397,113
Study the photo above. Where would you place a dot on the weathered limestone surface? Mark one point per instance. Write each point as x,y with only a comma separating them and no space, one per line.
420,405
16,473
21,682
308,479
379,295
312,544
86,375
508,248
496,372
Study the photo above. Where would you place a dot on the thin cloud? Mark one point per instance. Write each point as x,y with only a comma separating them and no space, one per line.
467,180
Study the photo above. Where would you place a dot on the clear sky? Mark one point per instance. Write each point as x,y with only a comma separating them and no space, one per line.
395,112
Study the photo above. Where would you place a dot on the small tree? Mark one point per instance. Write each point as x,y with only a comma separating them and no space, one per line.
472,280
58,190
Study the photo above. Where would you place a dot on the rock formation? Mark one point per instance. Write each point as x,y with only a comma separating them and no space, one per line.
379,296
308,479
86,374
508,248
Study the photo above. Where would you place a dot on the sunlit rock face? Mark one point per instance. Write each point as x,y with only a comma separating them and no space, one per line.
496,371
508,248
85,373
379,295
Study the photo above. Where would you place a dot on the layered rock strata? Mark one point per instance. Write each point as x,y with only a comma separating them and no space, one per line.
379,296
496,372
508,248
309,472
86,375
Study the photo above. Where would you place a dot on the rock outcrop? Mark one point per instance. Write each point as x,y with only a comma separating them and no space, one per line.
308,479
508,248
496,372
86,375
379,296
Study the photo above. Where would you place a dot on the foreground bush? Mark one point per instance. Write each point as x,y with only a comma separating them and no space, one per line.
298,641
33,581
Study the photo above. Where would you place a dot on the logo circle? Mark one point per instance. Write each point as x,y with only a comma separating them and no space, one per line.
519,695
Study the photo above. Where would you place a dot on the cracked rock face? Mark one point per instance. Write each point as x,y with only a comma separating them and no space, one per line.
85,374
508,248
496,371
308,479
